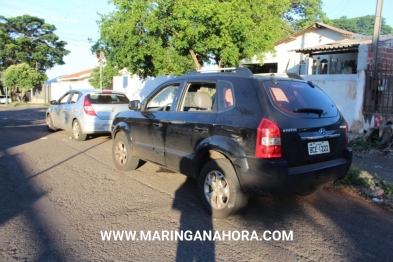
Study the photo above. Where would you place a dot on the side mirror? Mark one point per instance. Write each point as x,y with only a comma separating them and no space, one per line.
134,105
53,102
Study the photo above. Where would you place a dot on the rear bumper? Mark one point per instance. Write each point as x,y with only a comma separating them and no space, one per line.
98,126
260,177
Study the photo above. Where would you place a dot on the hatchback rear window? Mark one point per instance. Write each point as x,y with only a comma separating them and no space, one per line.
299,98
108,99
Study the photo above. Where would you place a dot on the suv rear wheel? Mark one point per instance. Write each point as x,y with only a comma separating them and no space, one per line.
121,154
219,189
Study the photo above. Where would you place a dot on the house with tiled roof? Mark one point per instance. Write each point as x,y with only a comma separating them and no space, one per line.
341,64
78,80
81,76
285,59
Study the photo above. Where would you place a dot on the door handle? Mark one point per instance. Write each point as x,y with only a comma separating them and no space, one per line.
157,125
201,129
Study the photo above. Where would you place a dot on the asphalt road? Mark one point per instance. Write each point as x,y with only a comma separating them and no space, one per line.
58,196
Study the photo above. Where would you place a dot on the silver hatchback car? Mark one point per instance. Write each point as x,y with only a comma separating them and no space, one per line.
85,112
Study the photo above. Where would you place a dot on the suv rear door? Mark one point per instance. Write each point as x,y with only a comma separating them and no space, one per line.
189,123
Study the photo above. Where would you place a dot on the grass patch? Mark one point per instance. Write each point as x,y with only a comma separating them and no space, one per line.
386,186
354,178
15,104
359,144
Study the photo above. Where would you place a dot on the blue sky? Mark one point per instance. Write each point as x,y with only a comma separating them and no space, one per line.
75,21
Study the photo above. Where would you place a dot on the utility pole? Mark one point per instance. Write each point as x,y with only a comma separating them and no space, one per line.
377,29
101,58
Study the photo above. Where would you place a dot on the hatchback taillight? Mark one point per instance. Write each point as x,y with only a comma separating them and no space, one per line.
89,110
268,144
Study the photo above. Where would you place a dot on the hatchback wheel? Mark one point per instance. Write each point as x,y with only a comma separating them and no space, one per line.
121,154
77,131
49,123
219,189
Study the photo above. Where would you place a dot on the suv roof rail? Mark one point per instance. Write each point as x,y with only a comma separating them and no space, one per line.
233,70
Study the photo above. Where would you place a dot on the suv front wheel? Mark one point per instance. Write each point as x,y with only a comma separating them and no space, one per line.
121,154
219,189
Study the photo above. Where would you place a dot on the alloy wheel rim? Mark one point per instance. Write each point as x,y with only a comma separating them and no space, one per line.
216,190
121,153
76,130
49,121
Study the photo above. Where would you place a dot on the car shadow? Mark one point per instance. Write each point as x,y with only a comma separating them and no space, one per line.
25,206
193,220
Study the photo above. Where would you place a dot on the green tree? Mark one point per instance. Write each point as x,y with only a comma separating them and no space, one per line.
22,77
108,72
304,13
28,39
152,38
362,25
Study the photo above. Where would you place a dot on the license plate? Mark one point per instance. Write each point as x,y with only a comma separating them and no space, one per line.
316,148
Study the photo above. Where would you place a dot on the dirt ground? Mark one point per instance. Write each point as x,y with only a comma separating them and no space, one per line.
375,162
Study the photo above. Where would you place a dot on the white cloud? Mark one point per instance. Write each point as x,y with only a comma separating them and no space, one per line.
77,1
93,5
78,10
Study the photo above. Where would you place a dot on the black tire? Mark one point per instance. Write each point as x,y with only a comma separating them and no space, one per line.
309,191
121,154
77,132
49,123
224,198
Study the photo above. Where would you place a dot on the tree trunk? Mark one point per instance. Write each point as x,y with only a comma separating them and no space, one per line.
196,62
384,133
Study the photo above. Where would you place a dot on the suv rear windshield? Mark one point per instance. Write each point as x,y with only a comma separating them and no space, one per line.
107,99
299,98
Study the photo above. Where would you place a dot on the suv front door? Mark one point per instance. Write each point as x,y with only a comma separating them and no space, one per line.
148,130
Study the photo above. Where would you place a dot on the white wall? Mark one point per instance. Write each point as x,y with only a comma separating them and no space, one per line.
135,88
344,90
347,91
58,89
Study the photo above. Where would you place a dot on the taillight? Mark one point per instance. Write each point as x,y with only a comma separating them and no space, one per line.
346,134
268,144
89,110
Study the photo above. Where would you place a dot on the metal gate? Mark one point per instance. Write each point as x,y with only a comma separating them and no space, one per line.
378,94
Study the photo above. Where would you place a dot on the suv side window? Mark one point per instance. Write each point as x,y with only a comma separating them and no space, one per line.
226,98
199,97
164,98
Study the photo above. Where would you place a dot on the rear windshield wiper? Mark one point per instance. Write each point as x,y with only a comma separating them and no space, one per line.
309,110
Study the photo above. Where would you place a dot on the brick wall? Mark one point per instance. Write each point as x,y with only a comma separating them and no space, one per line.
385,56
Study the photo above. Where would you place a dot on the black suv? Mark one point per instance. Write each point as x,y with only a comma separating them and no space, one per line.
238,134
